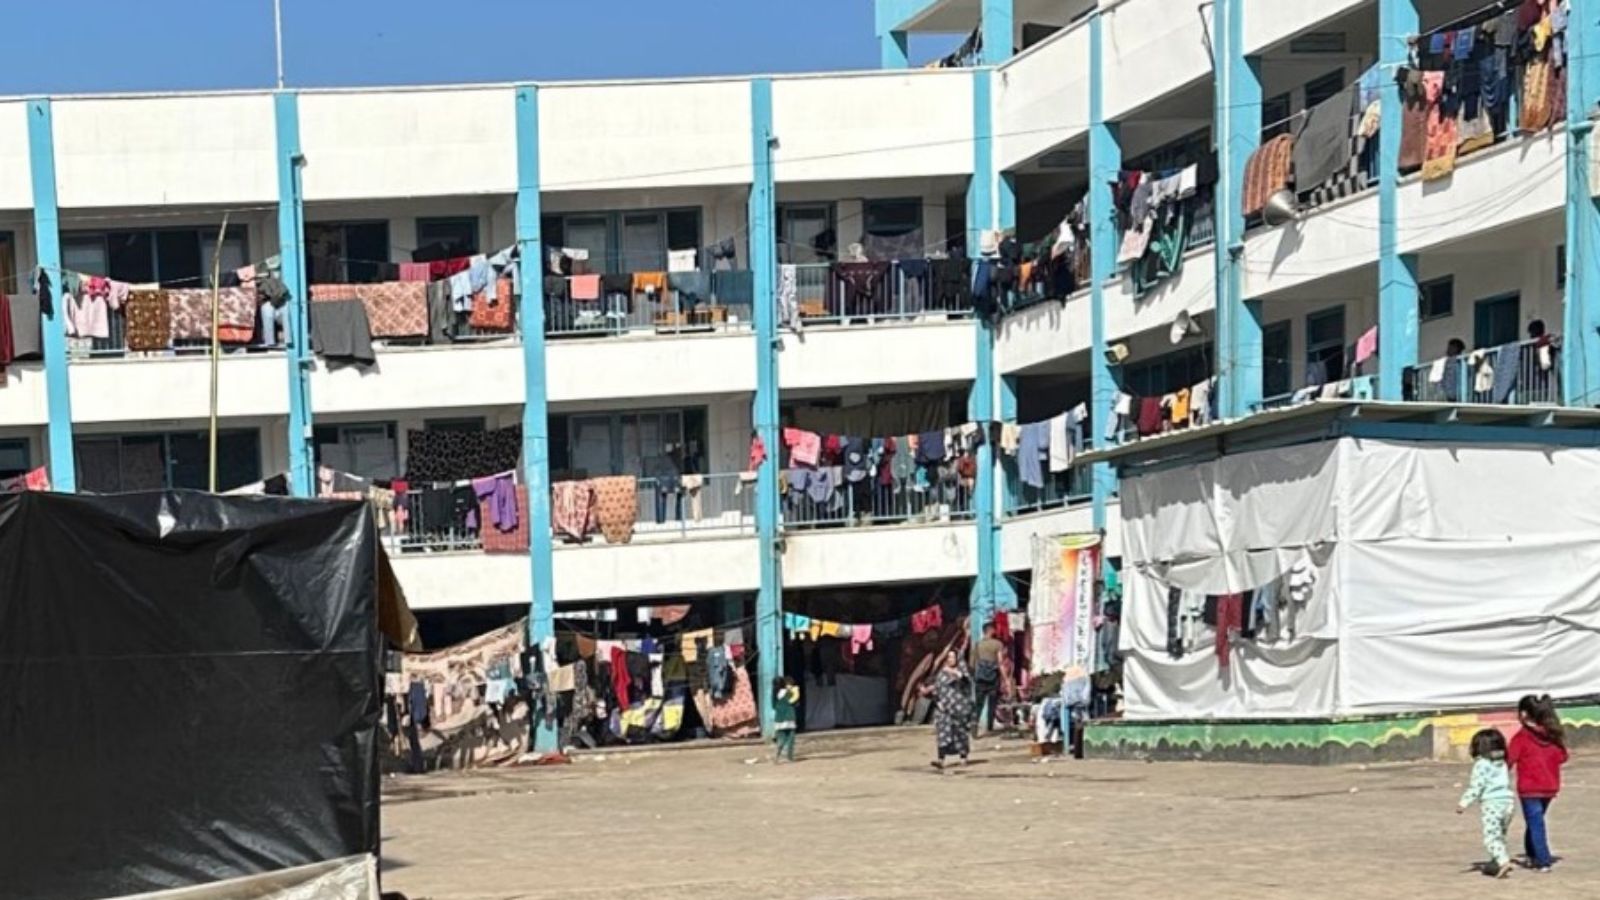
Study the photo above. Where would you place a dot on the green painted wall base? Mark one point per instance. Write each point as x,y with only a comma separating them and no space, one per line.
1417,736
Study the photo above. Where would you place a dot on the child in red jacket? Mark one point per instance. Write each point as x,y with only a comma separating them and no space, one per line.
1536,755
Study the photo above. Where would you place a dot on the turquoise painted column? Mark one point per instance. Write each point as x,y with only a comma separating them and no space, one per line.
296,328
999,34
535,403
47,242
1580,353
1105,160
1001,594
1397,272
981,208
893,50
1237,126
764,412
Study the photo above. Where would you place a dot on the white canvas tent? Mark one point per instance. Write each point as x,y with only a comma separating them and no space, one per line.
1446,575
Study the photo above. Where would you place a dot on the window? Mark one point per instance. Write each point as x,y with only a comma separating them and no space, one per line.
1437,298
447,237
1320,89
368,449
1167,373
891,218
625,241
13,457
806,233
147,462
8,265
1325,344
347,252
632,443
1275,117
1276,371
175,257
1495,321
468,424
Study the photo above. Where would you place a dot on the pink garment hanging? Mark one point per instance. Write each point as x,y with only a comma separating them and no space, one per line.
1367,345
585,287
805,447
860,638
414,271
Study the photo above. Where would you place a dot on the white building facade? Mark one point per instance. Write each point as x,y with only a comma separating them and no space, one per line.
345,186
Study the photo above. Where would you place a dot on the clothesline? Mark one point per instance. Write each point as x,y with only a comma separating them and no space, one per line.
1467,18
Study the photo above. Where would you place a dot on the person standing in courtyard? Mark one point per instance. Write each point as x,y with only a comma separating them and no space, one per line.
986,673
1536,754
1490,788
785,702
952,709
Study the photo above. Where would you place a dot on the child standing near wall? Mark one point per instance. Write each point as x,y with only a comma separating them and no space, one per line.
1537,753
1490,788
785,700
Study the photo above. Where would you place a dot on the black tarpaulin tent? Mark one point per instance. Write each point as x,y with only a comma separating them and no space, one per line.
189,689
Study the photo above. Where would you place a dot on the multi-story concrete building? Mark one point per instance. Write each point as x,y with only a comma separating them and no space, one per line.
342,185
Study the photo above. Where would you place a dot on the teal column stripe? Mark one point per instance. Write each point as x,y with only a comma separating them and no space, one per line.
893,50
1238,125
535,404
1397,273
1105,160
764,413
296,328
999,34
1002,594
1580,325
980,399
47,243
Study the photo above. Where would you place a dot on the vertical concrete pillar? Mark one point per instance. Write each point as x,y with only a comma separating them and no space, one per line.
1237,128
296,327
764,414
47,242
535,405
1105,160
1397,273
1580,325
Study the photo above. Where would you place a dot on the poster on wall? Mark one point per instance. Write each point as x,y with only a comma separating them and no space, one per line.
1061,603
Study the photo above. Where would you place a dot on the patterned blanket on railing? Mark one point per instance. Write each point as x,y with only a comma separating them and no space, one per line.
395,309
191,314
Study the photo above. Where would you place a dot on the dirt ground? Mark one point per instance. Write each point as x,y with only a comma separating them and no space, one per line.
865,816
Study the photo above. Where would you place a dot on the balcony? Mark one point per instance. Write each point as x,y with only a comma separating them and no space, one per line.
727,305
825,297
1060,489
1481,376
871,504
716,506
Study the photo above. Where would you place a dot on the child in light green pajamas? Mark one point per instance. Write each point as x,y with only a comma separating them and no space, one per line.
1490,788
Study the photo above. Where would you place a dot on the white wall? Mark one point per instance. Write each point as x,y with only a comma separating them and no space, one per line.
408,143
16,178
23,400
930,351
459,376
1017,532
165,151
657,569
873,125
142,390
880,555
1043,333
1267,22
1041,98
650,366
1152,48
608,136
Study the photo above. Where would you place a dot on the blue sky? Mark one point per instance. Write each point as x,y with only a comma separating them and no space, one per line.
66,46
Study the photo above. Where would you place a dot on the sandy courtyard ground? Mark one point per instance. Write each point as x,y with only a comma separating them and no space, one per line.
866,817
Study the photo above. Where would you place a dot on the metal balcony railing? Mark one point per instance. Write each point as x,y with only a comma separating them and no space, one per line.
1532,379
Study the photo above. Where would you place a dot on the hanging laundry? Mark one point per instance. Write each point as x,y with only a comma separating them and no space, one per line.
1367,345
585,287
571,508
1061,450
789,296
805,447
1230,621
340,334
860,639
927,619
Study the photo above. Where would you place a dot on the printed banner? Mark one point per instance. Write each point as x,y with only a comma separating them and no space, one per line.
1061,602
477,716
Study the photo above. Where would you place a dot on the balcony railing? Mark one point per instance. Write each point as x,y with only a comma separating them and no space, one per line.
873,504
695,505
116,344
668,509
728,304
825,299
1534,377
1060,489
